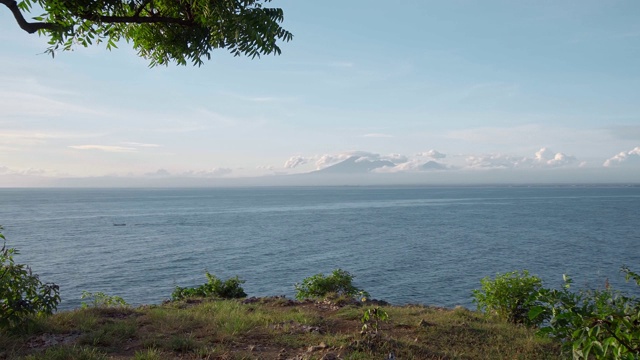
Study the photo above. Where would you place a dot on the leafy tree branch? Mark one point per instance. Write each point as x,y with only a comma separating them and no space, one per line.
162,31
29,27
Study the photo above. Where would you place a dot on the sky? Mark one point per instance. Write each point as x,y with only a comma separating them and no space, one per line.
406,92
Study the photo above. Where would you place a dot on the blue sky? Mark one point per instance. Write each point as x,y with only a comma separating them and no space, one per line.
542,87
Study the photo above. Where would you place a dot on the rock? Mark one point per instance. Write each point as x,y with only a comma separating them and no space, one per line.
330,356
322,346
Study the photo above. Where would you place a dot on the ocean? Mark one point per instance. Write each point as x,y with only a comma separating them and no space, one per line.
426,245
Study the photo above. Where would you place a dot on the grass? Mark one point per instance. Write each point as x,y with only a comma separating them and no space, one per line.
270,328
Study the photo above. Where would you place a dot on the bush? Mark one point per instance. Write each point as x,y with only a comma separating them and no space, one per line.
604,324
22,294
229,289
101,300
339,283
509,296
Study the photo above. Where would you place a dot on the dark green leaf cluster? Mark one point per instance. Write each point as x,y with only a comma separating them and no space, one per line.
601,324
163,31
509,296
339,283
215,288
22,294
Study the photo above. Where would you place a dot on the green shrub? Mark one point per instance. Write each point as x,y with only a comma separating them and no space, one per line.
229,289
22,294
101,300
510,296
604,324
339,283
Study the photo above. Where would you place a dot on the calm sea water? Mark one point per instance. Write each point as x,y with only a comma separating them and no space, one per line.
405,245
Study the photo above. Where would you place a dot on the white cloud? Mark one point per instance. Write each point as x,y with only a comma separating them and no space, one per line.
413,166
547,157
493,161
295,161
137,144
625,158
434,154
394,158
330,159
105,148
542,158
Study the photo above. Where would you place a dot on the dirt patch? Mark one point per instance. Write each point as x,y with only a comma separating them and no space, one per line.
44,341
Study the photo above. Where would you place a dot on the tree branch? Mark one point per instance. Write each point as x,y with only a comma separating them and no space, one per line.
135,19
142,6
24,24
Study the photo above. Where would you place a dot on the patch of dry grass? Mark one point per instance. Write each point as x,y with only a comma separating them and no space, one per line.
271,328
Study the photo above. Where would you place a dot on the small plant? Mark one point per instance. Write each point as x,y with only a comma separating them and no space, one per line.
510,296
22,294
339,283
371,319
215,287
371,340
148,354
101,300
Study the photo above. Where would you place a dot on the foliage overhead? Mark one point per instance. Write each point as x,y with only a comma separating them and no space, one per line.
162,31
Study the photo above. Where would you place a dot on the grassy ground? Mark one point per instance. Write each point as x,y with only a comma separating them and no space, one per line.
270,328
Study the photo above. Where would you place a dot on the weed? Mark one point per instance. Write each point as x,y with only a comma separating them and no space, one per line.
149,354
182,343
371,319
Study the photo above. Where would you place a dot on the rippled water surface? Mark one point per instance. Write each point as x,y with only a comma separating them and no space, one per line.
405,245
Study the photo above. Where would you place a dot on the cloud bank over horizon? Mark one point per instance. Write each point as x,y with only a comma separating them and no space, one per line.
369,164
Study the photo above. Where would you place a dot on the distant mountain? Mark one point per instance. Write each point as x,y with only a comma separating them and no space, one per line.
432,165
354,165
